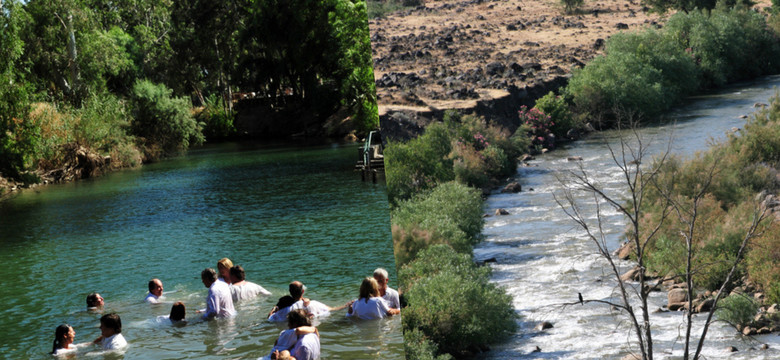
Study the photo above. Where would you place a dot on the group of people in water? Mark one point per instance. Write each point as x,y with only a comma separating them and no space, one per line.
227,286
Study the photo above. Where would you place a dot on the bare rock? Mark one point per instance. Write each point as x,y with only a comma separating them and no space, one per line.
731,349
705,306
502,212
544,325
677,296
574,158
676,306
749,330
512,187
630,275
624,251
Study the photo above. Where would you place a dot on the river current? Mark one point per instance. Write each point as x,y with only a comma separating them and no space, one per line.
544,260
283,213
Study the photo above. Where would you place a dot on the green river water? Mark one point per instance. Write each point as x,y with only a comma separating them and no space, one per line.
283,213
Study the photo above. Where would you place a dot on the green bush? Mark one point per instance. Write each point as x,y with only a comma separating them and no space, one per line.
449,214
558,109
162,122
418,347
217,121
459,313
642,73
763,262
418,164
438,258
737,310
719,41
571,5
452,302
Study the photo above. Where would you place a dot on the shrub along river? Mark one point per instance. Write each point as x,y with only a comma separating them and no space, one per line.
544,259
283,213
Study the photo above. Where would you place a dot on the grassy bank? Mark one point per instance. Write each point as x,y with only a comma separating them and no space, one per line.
433,183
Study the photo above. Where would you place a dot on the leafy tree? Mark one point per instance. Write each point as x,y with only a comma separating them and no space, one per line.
17,134
163,122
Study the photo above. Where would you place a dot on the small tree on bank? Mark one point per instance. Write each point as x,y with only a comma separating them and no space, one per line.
645,184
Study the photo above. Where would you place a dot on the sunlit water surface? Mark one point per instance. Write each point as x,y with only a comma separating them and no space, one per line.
282,213
544,260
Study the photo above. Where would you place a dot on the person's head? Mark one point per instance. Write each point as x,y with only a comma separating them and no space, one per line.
223,266
237,274
208,276
110,325
177,311
285,301
369,288
381,277
155,287
296,318
296,290
63,335
94,300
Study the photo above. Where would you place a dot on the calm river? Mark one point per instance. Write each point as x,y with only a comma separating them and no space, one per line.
282,213
543,259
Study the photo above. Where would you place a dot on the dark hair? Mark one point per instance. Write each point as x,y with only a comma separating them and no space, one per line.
177,311
61,331
113,321
238,273
296,289
92,299
152,284
297,318
208,274
285,301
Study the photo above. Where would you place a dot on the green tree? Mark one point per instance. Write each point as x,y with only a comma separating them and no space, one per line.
17,134
162,122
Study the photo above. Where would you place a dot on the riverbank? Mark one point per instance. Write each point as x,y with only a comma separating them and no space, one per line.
542,259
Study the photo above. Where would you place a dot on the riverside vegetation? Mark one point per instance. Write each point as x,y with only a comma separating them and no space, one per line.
641,75
117,84
453,309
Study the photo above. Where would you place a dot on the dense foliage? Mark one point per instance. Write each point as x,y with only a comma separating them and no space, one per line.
452,301
305,57
743,172
462,148
436,219
644,74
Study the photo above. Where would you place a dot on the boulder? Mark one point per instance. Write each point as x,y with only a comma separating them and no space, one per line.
502,212
677,296
748,330
731,349
574,158
630,275
512,187
705,306
544,325
624,251
676,306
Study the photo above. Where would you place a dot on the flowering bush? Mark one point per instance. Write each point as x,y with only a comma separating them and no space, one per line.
539,125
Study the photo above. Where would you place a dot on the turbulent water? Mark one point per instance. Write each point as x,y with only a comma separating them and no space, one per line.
282,213
544,259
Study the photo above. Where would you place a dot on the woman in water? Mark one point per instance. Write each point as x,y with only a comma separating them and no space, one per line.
223,268
369,305
63,340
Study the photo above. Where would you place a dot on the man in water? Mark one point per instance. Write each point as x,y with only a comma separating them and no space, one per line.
111,337
94,302
242,289
312,307
155,291
219,303
390,295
